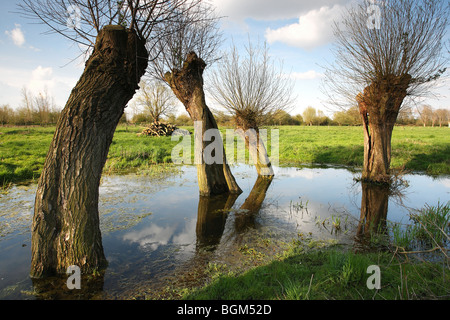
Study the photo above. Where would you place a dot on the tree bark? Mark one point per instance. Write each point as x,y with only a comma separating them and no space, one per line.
65,228
187,85
379,106
257,150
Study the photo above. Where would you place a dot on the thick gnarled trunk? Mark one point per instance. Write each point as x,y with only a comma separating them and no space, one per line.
377,151
379,106
65,228
187,84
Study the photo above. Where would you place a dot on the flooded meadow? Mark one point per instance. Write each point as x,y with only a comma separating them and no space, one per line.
158,233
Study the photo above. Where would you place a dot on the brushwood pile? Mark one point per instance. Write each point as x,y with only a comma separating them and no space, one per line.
159,129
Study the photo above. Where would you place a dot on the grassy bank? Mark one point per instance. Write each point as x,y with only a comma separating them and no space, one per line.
308,273
23,149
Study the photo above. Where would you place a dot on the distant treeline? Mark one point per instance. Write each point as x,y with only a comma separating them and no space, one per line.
422,116
41,111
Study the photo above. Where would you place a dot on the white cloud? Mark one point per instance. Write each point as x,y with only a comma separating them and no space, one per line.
313,29
239,10
16,35
153,236
445,183
37,80
40,78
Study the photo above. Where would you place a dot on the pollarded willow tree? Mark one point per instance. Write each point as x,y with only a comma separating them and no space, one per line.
65,228
252,90
182,59
382,58
156,99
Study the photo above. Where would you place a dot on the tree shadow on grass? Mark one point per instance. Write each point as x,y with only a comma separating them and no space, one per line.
435,162
13,173
344,155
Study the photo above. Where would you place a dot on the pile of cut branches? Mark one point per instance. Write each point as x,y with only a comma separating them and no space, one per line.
159,129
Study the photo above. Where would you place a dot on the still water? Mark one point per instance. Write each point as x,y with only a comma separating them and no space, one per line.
159,231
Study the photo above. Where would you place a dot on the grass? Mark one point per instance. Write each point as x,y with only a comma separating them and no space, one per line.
317,270
22,153
130,152
430,229
415,148
23,149
309,273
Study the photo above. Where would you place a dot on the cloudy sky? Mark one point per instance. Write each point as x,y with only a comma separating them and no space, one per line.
297,31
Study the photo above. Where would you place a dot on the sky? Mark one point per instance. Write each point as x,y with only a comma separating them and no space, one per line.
298,33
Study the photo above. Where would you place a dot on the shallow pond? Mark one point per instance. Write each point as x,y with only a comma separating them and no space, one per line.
158,232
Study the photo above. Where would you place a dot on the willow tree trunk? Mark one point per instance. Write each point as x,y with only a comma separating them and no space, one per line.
65,228
256,149
379,106
187,84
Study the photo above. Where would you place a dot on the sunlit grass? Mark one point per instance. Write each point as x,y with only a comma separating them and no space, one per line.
311,270
414,148
23,149
317,270
329,273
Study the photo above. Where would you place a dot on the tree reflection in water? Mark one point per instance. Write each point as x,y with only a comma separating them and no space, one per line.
212,216
374,210
55,288
245,216
213,213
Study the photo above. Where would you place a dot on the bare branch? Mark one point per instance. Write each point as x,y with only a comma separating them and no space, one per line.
409,40
81,20
252,88
194,30
156,99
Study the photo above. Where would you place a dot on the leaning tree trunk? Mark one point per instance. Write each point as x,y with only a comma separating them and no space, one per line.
65,228
379,106
255,146
187,84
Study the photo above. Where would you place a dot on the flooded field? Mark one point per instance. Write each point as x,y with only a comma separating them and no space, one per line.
159,231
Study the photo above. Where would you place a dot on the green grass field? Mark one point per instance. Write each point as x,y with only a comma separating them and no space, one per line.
416,148
23,149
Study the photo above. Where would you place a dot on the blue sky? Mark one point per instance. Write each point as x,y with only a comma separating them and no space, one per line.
298,33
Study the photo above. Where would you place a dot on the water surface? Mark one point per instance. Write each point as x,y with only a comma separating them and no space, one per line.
157,230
